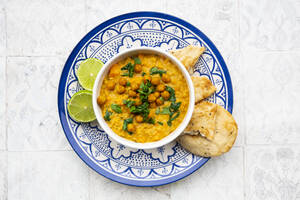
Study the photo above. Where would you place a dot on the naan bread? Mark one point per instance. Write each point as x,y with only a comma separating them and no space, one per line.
203,87
189,56
203,120
224,138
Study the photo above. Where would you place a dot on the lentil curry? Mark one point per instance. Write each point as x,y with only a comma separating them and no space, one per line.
144,98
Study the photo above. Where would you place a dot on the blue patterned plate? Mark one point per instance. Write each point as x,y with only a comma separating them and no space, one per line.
114,161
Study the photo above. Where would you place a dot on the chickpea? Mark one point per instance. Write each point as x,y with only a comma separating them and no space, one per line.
160,87
139,118
138,68
130,127
156,94
138,102
166,78
134,86
114,71
111,85
165,95
120,89
137,79
159,101
151,98
122,81
101,99
153,105
155,80
147,77
132,93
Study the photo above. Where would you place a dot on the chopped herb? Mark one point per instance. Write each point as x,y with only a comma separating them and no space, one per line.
172,93
141,109
155,70
145,90
107,115
157,111
173,118
137,61
125,123
130,68
166,111
128,83
149,120
160,123
143,73
175,106
172,111
116,108
128,103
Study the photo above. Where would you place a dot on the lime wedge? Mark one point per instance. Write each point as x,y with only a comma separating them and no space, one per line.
80,106
87,72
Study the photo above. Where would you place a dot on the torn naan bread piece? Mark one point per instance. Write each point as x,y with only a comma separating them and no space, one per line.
224,137
203,87
203,120
188,56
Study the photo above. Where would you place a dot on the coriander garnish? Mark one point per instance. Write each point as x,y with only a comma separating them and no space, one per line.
160,123
125,124
116,108
137,60
155,70
107,115
172,93
128,103
130,68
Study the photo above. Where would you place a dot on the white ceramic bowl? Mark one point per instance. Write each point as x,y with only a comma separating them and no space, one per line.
97,86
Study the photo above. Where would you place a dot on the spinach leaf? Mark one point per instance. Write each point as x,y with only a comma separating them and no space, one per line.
143,73
130,68
116,108
172,93
155,70
107,115
128,83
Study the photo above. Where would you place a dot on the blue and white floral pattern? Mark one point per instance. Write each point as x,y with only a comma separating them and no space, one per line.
115,161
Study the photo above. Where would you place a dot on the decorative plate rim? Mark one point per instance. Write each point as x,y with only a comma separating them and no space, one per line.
62,82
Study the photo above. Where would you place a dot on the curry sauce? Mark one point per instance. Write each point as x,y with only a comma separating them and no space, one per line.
144,98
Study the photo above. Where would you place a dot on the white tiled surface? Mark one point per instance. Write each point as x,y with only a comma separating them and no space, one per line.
32,94
2,104
260,42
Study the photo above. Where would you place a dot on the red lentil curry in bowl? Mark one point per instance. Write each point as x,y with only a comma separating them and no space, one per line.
143,98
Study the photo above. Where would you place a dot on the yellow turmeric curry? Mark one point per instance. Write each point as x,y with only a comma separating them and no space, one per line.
144,98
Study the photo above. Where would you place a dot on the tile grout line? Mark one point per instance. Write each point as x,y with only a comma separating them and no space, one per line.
85,15
5,81
244,171
6,104
243,100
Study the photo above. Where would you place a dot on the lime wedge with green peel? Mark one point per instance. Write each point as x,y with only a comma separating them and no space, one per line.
87,72
80,106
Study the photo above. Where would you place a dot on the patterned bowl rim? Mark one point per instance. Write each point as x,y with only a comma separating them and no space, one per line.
64,75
